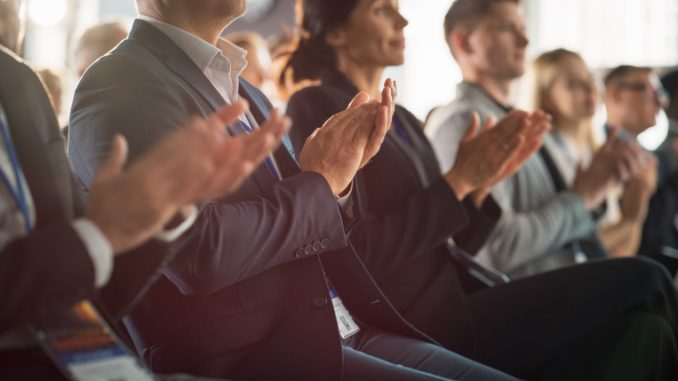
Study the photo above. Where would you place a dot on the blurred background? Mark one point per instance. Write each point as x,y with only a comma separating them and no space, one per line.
606,32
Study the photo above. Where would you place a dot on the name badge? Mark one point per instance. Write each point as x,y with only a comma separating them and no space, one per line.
83,346
347,326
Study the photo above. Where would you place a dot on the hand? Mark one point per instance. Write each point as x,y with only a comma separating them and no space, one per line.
193,164
639,190
614,163
348,140
485,158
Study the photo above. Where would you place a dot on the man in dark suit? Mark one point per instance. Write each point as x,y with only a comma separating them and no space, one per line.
56,251
252,296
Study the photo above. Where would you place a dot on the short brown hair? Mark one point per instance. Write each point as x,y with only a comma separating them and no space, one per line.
621,72
468,11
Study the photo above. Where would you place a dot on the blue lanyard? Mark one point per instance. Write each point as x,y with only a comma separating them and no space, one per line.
269,159
18,193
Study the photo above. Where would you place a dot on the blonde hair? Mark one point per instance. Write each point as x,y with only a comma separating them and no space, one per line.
542,76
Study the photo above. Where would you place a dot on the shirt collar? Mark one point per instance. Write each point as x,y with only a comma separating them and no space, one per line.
478,89
200,51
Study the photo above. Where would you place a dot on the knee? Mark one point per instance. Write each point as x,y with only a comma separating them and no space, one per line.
642,269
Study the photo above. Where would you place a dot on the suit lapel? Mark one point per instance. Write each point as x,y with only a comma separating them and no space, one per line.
178,61
259,108
409,151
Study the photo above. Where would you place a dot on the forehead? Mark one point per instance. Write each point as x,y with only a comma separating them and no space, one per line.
504,10
638,76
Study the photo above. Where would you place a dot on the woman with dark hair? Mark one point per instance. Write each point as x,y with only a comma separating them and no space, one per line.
543,327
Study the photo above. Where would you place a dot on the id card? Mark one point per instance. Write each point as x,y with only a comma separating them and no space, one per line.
86,349
347,326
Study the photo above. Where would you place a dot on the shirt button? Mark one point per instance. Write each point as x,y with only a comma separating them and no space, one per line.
319,302
325,244
309,249
299,253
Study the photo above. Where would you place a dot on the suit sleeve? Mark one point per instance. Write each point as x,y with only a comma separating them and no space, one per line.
233,239
47,270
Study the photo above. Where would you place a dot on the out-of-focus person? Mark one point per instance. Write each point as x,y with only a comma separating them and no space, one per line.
668,150
53,83
634,97
545,225
565,88
96,41
11,28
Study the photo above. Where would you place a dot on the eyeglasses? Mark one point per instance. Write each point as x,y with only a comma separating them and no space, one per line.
651,92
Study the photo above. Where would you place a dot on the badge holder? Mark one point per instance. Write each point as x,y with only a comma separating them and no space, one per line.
85,348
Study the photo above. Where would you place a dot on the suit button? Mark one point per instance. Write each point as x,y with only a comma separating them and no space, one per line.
319,302
325,244
299,253
309,249
316,247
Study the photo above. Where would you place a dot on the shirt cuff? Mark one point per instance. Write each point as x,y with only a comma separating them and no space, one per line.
99,249
189,214
346,201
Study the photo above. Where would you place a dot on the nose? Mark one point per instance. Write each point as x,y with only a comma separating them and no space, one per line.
522,39
402,22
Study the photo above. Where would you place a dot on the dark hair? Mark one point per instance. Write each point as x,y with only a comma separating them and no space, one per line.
621,72
463,12
309,53
670,83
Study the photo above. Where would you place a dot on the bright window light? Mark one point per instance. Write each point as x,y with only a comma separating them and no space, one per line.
47,12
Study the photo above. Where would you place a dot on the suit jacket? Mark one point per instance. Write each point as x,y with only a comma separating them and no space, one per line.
407,212
248,297
50,269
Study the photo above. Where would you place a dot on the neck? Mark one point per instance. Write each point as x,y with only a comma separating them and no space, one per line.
613,121
498,88
206,28
366,78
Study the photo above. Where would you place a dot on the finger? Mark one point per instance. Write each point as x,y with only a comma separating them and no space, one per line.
115,161
230,113
490,123
376,139
261,143
472,131
360,99
612,139
387,99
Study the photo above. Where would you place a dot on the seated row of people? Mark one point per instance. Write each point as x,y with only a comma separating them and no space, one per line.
344,255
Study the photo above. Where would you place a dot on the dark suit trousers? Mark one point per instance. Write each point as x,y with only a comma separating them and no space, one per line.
617,306
376,355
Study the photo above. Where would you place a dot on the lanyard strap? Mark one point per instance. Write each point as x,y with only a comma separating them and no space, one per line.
18,193
269,159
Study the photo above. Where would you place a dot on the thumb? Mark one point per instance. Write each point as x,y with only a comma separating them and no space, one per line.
359,100
580,170
472,131
117,157
490,123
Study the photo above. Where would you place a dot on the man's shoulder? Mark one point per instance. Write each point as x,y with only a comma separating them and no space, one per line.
129,62
448,115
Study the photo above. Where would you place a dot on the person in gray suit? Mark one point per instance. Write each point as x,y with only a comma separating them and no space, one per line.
545,225
56,250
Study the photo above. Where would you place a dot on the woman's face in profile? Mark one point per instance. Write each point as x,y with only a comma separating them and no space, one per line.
374,34
573,94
